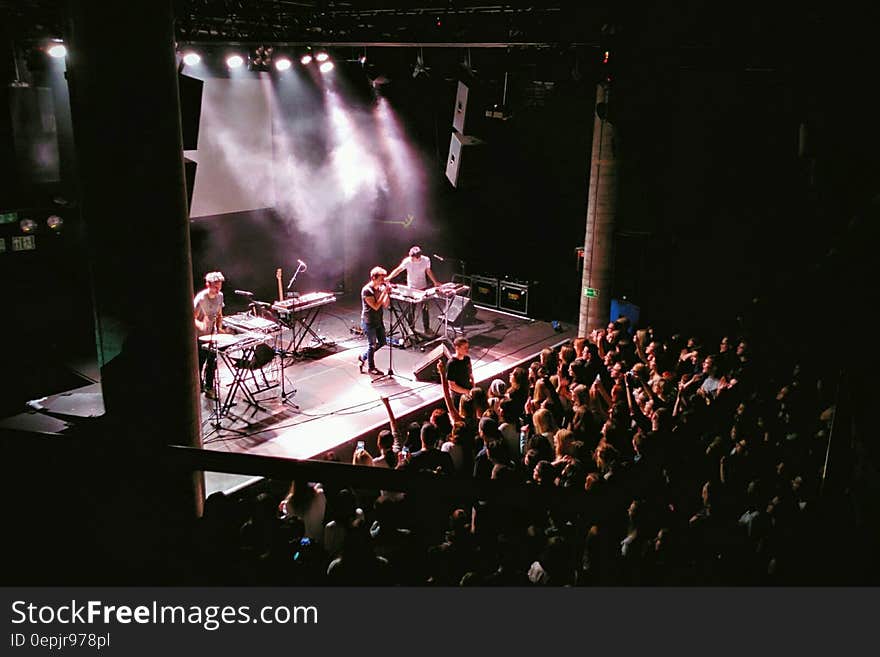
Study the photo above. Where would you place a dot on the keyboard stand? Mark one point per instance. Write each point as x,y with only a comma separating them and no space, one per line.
303,320
401,316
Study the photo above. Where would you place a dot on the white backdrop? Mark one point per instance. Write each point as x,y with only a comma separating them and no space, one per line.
234,157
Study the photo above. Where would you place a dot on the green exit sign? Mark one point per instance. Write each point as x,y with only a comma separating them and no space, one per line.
8,217
591,292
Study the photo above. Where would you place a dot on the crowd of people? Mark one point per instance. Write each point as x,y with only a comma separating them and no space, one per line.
642,459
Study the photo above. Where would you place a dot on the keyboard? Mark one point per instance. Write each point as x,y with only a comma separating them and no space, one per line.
304,302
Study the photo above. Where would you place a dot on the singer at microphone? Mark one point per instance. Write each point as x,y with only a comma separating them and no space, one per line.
374,300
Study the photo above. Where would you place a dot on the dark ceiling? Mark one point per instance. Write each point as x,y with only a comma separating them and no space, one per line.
684,24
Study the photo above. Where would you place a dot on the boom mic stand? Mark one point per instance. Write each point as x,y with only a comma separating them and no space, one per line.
301,266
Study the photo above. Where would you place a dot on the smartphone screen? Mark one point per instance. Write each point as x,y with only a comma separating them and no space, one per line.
360,444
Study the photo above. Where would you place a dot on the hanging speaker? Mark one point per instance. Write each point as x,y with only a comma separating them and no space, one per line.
189,170
460,114
426,369
190,90
464,165
469,115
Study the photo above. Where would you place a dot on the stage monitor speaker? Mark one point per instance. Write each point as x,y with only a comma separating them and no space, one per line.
426,369
461,310
190,90
464,164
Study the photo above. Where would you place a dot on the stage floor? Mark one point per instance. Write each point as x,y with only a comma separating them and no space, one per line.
334,403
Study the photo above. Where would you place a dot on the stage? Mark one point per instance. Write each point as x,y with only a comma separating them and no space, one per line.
334,404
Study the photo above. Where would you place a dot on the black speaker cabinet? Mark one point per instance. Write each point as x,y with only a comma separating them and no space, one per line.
426,369
484,291
514,297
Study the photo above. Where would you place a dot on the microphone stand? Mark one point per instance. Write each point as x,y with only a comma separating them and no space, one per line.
299,268
292,324
462,265
215,347
286,397
389,339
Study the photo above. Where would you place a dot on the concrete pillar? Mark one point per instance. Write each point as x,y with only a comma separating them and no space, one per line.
122,77
595,291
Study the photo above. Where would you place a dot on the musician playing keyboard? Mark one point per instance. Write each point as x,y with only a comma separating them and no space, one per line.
418,271
208,315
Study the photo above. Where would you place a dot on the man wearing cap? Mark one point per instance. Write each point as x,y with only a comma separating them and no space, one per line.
208,315
418,271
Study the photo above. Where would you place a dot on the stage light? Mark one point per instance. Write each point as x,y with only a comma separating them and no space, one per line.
261,58
234,61
54,222
326,67
27,225
57,51
282,64
322,56
362,59
305,60
192,58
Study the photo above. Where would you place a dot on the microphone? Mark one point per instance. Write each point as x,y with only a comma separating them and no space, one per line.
244,293
440,258
262,304
302,264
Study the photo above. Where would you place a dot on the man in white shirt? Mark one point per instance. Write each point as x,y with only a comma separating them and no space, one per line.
418,271
208,316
